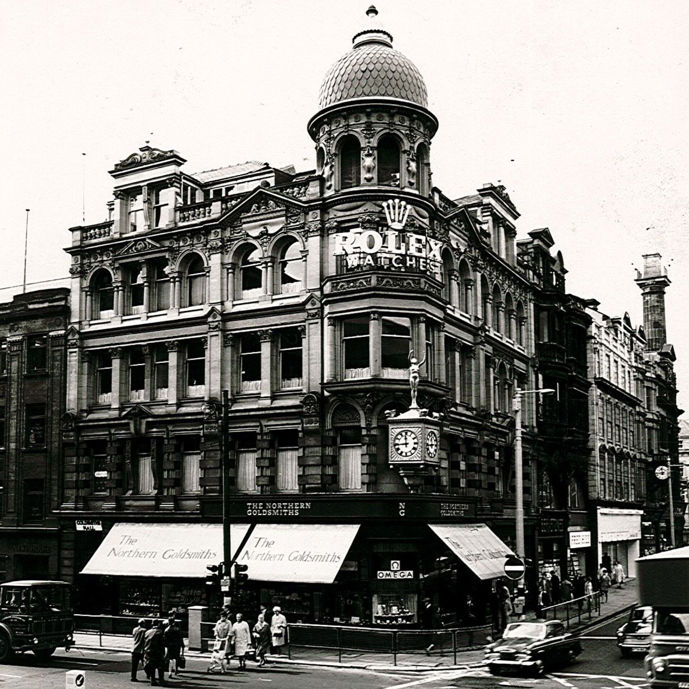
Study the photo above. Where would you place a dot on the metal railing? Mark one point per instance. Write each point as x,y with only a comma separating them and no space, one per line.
343,640
572,611
109,625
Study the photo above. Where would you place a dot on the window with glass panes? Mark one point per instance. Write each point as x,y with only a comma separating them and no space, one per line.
349,458
159,215
196,366
99,464
103,376
355,339
250,362
136,289
104,295
191,464
142,455
287,461
37,354
430,352
196,282
2,426
602,473
250,274
395,342
245,444
291,268
33,500
136,212
161,287
137,373
160,371
290,351
3,357
35,425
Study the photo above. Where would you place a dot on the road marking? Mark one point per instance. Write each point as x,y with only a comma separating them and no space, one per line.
564,682
2,674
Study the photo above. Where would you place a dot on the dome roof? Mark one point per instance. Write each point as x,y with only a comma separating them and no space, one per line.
373,68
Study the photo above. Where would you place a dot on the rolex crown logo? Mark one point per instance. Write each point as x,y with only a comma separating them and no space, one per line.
396,212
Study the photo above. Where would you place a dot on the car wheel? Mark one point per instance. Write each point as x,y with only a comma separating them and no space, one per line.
5,648
625,653
44,653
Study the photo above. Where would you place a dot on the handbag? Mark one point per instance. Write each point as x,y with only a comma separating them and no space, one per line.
181,663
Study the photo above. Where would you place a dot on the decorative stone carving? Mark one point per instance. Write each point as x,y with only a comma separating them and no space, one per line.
115,352
228,340
172,345
265,335
368,131
311,404
411,169
368,164
313,229
146,155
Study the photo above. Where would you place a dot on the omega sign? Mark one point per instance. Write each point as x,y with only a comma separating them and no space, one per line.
392,248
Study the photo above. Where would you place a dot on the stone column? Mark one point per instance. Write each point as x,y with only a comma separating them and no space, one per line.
421,351
330,373
374,343
230,284
441,373
116,357
215,277
266,360
213,362
453,292
172,371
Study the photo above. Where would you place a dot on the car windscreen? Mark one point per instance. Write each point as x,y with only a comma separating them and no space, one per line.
672,621
524,630
33,599
640,614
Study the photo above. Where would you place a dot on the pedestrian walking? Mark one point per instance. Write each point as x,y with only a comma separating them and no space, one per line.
278,630
605,583
505,609
241,638
221,632
174,648
606,562
555,587
519,603
566,590
154,654
618,574
138,637
261,633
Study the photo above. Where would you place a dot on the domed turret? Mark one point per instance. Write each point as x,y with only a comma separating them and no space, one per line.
373,127
373,69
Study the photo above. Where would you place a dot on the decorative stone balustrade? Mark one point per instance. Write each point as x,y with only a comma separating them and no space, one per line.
99,231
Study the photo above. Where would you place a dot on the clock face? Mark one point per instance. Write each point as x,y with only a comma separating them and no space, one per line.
431,443
406,443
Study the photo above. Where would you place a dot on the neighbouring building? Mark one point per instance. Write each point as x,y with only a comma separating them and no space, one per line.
561,326
683,451
32,400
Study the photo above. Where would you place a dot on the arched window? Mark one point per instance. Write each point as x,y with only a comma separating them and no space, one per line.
320,161
389,161
485,300
496,307
250,274
290,269
102,294
448,270
465,288
347,426
422,170
521,323
195,282
509,328
350,162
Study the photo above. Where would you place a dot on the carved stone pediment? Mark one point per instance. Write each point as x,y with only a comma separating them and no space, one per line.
140,246
145,155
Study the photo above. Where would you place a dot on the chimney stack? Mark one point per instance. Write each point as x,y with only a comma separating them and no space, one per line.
652,283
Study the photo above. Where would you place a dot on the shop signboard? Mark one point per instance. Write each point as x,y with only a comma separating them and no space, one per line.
579,539
88,525
395,574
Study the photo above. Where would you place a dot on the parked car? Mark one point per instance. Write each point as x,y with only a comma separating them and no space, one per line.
532,647
634,636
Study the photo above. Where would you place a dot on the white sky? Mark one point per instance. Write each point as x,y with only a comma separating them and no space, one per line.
579,108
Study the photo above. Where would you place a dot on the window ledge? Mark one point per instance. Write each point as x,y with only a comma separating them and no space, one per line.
36,374
193,309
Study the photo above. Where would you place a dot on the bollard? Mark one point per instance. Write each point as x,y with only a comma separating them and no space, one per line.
75,679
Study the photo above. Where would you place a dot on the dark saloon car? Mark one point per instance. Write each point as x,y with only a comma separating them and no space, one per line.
532,647
634,636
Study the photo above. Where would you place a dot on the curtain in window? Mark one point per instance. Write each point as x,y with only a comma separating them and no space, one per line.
287,470
191,473
196,290
349,467
145,475
246,470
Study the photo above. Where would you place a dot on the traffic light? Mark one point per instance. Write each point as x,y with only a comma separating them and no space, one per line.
213,576
240,574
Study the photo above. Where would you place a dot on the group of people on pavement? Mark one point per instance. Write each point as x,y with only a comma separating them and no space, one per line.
157,647
269,633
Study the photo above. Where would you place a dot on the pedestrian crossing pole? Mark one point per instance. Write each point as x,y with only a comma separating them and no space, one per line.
226,496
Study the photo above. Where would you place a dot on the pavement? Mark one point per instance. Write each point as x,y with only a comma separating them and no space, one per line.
619,600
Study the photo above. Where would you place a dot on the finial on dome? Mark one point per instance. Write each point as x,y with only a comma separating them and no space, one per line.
373,33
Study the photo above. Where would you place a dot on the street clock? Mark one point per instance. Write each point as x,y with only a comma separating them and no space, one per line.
414,438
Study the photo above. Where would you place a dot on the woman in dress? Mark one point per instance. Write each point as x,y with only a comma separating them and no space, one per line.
262,639
174,647
241,637
278,630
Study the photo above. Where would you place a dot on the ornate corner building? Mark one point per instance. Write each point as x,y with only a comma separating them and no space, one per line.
303,296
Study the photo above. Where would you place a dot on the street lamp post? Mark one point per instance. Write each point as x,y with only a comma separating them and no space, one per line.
518,464
671,503
226,497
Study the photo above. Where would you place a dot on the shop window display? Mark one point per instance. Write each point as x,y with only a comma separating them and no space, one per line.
394,608
140,597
